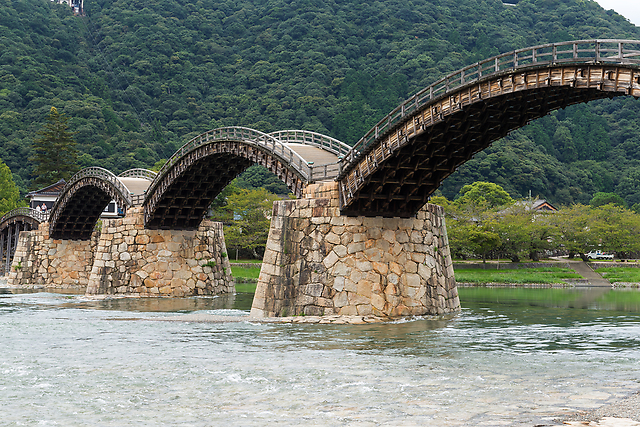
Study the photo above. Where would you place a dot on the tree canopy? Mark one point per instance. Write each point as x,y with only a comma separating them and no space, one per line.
55,155
137,81
517,231
9,194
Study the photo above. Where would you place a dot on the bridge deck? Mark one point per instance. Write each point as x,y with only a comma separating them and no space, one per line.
136,185
313,154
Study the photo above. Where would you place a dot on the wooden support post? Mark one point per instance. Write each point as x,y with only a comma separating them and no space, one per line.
2,250
7,264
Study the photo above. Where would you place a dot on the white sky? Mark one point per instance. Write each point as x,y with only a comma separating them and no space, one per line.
627,8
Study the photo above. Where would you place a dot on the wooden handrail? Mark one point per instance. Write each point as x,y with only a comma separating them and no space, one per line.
25,211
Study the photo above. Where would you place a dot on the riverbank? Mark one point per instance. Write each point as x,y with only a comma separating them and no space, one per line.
623,413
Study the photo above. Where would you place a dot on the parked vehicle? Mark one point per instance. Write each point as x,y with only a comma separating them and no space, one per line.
599,255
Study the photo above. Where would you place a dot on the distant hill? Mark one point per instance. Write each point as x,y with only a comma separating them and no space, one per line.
138,79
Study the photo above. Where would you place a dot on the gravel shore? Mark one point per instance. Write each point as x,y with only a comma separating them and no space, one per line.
624,413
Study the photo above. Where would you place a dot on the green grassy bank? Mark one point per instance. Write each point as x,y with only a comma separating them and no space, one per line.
620,274
246,278
539,275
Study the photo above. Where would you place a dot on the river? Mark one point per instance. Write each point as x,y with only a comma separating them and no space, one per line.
512,357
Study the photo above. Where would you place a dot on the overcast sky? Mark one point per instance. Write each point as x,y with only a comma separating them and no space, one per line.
627,8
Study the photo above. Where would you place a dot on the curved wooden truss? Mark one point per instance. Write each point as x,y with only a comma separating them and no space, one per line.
81,202
397,165
187,184
11,224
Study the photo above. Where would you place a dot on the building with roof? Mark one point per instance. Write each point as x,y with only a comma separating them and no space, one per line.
47,196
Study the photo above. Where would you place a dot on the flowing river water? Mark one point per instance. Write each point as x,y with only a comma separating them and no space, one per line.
512,357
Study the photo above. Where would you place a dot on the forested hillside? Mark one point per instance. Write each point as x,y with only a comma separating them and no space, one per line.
138,79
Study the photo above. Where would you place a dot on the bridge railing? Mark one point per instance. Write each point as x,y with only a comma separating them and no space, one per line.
102,174
24,211
581,51
139,173
250,136
325,172
314,139
138,199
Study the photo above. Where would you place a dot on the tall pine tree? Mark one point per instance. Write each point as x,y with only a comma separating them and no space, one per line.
55,154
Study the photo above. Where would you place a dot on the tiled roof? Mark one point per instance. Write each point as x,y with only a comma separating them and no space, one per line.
52,190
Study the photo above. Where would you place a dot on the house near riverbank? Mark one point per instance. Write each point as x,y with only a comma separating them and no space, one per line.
542,205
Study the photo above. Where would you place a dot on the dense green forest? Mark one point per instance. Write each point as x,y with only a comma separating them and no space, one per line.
138,79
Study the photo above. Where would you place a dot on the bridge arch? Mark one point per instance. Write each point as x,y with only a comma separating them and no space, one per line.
83,199
400,162
11,224
187,184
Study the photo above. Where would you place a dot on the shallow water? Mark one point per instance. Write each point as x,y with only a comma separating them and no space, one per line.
511,357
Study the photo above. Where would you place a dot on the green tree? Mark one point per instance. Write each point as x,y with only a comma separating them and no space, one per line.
601,199
251,219
615,229
9,194
480,193
572,224
56,156
533,231
470,227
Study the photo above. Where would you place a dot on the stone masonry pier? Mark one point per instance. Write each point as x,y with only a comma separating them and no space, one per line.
132,260
40,261
127,259
318,262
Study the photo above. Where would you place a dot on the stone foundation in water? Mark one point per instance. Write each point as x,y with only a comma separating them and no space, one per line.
318,262
126,259
40,261
132,260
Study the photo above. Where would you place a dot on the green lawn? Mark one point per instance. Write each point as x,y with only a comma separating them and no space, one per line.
245,261
245,278
543,275
620,274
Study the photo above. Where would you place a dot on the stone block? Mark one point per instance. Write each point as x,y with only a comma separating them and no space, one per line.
364,288
378,302
341,251
355,247
165,253
364,266
348,310
330,259
364,309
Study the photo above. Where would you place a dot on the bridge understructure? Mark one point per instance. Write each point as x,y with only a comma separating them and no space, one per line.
361,238
11,224
396,167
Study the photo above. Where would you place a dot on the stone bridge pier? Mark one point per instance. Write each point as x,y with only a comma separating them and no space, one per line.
127,259
41,261
133,260
319,262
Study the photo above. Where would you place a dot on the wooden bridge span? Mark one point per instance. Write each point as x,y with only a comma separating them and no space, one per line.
399,163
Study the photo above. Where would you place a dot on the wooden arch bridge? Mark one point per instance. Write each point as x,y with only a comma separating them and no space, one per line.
399,163
11,224
179,196
393,169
